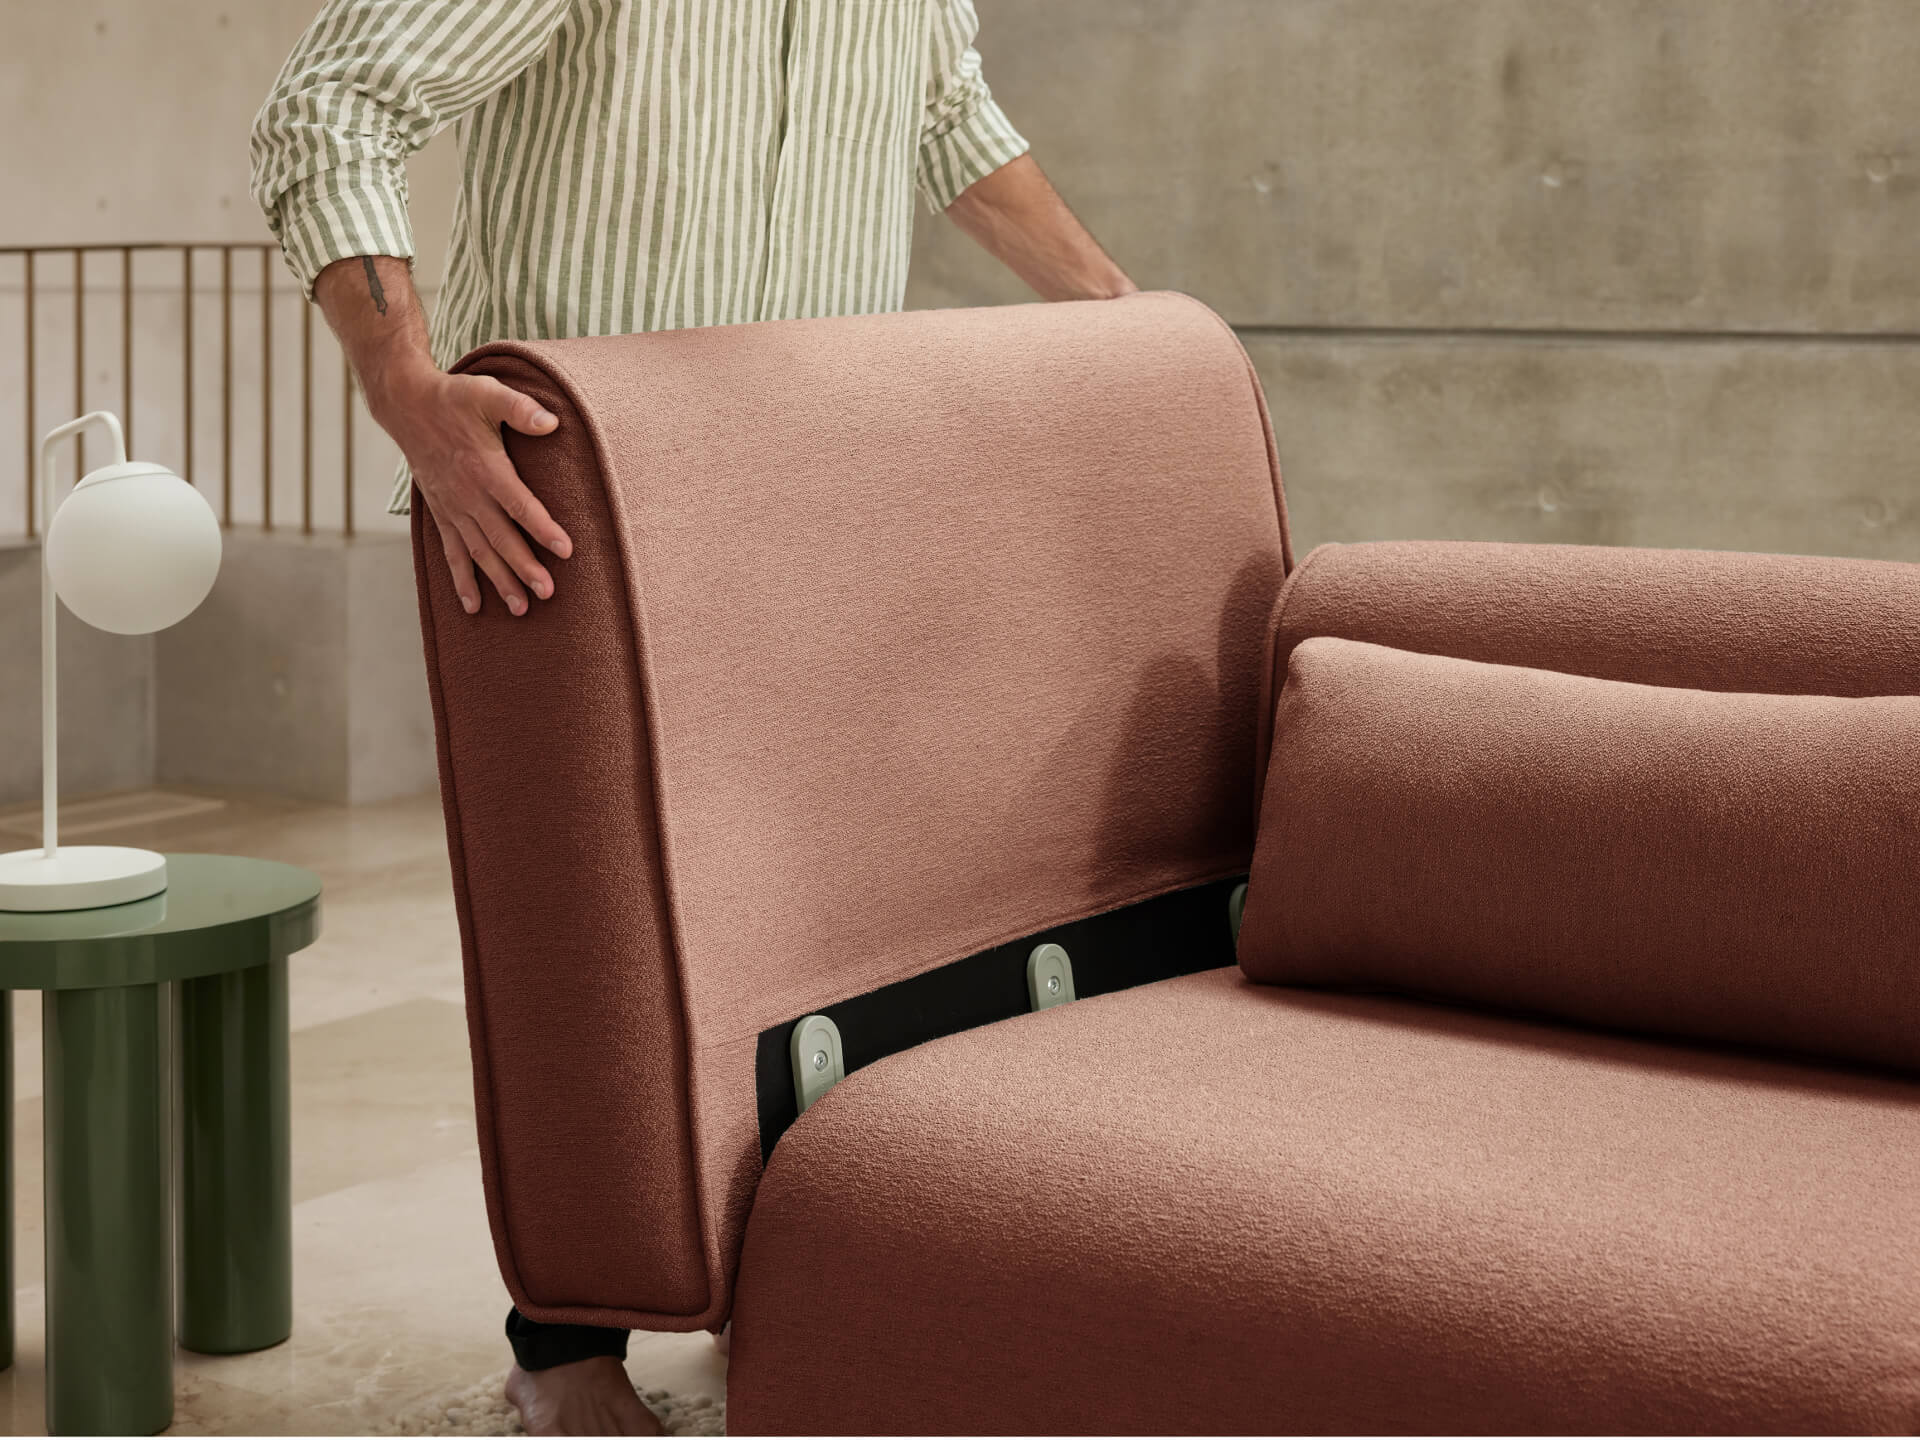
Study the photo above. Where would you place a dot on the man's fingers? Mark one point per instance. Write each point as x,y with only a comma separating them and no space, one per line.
506,487
497,570
480,501
511,546
507,406
460,564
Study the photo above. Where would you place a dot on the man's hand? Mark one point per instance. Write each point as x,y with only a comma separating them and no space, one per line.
448,427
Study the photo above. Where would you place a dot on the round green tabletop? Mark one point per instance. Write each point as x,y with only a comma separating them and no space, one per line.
218,913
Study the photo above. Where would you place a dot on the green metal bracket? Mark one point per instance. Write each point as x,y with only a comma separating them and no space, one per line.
819,1062
1049,977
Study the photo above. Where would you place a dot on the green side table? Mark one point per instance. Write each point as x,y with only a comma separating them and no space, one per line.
209,955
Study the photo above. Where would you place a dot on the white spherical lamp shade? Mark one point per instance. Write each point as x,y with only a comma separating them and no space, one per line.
133,549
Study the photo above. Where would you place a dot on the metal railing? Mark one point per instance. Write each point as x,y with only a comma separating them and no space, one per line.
40,267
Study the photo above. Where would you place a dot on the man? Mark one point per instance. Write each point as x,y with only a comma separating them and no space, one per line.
626,165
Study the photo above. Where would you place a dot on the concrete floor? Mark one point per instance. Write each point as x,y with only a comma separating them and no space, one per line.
396,1294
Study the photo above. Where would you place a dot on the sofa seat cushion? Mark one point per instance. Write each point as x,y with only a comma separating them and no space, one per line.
1206,1205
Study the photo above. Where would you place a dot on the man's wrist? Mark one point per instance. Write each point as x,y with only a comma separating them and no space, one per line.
394,387
1104,281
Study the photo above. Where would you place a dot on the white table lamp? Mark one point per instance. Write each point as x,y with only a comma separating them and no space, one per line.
134,549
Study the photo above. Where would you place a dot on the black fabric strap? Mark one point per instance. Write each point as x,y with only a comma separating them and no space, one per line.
541,1347
1177,934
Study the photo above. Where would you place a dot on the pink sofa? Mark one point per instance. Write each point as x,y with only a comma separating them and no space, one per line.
1566,1080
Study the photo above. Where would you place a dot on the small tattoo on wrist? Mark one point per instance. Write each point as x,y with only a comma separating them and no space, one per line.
373,285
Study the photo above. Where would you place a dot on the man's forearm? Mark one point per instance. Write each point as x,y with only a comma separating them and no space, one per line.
448,427
1022,221
370,303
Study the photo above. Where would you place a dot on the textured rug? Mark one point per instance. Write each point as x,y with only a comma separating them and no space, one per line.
482,1409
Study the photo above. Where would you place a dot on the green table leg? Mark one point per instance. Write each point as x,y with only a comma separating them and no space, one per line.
109,1284
236,1192
6,1179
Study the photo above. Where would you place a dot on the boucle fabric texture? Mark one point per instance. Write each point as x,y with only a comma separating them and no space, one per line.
1705,620
1212,1206
1727,867
885,640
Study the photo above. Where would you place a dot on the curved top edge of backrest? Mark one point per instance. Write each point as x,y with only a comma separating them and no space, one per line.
593,368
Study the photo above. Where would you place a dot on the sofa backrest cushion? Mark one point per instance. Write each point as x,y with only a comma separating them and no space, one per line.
885,640
1720,866
1706,620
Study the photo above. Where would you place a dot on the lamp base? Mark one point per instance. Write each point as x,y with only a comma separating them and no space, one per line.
79,877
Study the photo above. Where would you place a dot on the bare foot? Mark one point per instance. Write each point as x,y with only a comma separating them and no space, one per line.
588,1397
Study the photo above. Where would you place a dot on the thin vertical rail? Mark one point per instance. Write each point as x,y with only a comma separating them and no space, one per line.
226,386
346,446
132,370
126,345
186,359
79,358
306,418
266,391
33,481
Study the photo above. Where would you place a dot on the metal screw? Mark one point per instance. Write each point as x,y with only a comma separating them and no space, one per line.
1053,984
819,1059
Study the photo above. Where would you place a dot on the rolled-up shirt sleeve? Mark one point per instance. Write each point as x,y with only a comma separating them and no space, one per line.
964,135
368,84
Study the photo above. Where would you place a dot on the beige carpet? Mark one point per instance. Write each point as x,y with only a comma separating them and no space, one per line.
482,1409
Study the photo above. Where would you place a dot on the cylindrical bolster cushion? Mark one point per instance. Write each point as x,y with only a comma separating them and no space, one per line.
1783,624
1727,867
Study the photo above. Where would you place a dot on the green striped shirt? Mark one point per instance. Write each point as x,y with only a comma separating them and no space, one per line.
631,164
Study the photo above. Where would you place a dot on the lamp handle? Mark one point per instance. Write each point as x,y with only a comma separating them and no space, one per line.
49,700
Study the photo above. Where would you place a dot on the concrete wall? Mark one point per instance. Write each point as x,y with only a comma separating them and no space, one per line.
106,694
389,715
1622,271
301,675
